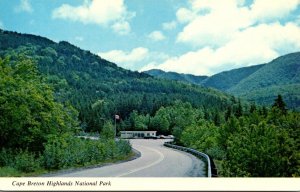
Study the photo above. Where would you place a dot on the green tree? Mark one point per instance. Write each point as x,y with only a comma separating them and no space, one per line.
253,152
160,121
138,122
108,131
28,111
280,104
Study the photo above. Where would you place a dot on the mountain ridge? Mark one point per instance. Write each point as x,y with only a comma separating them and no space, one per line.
176,76
260,83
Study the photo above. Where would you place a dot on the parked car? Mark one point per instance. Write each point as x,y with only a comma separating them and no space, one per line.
170,137
161,137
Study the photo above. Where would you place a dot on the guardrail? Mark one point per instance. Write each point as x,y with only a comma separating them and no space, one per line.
196,153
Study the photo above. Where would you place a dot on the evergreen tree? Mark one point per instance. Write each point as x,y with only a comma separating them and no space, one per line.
280,104
228,113
252,108
239,110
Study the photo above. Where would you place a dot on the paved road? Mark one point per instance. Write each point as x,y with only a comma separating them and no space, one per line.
155,161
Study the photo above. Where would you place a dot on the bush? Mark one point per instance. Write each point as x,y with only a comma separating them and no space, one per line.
26,162
6,157
124,147
23,161
68,151
8,171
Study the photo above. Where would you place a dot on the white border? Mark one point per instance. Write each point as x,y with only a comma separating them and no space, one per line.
155,184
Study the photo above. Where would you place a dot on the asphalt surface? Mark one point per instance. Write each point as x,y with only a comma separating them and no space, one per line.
155,161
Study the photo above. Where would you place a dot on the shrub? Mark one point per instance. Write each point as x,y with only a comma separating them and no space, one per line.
8,171
6,157
26,162
124,147
67,151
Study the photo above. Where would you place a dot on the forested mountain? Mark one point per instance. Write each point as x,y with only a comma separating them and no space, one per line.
177,76
259,83
227,79
280,76
97,88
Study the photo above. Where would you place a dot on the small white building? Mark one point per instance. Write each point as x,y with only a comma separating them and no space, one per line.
137,134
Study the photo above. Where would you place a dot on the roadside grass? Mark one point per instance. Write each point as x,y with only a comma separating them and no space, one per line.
8,171
63,153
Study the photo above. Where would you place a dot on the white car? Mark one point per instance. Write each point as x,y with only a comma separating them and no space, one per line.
161,137
170,137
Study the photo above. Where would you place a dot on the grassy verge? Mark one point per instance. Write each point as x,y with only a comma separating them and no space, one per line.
63,153
9,171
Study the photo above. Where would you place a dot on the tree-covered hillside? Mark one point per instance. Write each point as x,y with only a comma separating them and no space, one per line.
259,83
227,79
97,88
38,133
280,76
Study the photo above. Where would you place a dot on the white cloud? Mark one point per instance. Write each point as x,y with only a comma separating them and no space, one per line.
233,34
191,62
217,26
24,6
123,28
103,13
126,59
185,15
156,36
169,25
254,45
269,9
211,23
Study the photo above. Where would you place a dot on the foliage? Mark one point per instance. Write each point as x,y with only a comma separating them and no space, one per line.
254,144
108,131
279,104
20,160
28,110
99,89
37,132
280,76
66,151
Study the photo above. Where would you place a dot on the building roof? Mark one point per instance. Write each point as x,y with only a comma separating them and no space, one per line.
137,131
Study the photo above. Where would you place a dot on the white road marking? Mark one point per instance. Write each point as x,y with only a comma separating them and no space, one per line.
161,158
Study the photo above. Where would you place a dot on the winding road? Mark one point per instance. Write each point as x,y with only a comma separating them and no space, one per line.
155,161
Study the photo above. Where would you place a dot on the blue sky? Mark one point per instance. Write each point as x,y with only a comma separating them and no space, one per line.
200,37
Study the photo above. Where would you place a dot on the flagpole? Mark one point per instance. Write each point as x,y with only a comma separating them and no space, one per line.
115,127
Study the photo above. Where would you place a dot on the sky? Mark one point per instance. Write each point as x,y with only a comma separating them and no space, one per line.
200,37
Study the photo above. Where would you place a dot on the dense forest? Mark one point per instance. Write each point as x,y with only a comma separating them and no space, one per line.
38,133
98,89
52,92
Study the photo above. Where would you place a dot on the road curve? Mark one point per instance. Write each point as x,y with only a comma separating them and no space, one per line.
155,161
